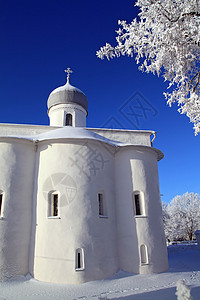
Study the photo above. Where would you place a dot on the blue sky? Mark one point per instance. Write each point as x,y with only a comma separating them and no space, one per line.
40,38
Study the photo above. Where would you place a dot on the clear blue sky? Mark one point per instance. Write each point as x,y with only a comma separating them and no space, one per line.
40,38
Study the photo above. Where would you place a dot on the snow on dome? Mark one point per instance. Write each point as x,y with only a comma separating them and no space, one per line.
67,94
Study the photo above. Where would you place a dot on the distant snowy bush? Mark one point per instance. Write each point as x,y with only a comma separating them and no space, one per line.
183,291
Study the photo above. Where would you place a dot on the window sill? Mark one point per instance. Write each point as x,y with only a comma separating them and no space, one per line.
103,217
80,269
54,217
141,217
145,264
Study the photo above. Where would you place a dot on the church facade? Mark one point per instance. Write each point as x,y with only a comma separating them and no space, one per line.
78,204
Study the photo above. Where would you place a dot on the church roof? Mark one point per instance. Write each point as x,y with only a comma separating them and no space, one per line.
69,132
67,94
78,133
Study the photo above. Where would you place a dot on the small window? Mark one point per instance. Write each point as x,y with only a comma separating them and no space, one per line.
79,259
102,205
100,200
143,254
138,203
68,119
53,204
1,204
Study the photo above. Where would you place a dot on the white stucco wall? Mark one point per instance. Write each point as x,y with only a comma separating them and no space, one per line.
86,168
135,137
78,169
136,170
16,179
57,115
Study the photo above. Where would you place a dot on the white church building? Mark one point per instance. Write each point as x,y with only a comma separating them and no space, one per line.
78,204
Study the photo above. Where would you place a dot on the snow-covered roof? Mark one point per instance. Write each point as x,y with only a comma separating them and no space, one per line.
69,132
77,133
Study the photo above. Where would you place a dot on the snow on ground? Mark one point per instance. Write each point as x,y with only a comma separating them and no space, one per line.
184,263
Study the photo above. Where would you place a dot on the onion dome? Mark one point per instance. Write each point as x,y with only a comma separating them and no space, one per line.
67,94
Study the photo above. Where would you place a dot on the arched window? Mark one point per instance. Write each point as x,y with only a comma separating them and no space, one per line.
68,120
53,204
143,254
79,259
138,203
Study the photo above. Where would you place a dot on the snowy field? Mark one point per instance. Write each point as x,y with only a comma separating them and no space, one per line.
184,263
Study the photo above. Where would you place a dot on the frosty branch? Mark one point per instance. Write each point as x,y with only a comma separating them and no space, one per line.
166,40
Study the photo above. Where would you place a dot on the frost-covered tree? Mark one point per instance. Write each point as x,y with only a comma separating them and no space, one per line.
166,218
166,39
181,217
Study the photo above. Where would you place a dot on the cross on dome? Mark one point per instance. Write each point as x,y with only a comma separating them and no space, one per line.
68,71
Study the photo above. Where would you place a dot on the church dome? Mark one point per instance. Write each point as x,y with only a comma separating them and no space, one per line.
67,94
